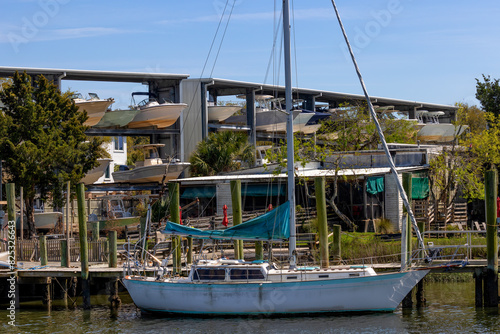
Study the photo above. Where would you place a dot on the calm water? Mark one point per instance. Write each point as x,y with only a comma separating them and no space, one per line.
450,309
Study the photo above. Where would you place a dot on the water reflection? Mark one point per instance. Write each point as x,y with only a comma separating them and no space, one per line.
449,309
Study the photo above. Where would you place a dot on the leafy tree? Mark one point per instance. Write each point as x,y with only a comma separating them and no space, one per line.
350,130
43,141
488,93
471,116
221,152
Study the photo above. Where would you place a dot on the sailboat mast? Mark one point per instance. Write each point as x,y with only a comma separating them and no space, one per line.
289,131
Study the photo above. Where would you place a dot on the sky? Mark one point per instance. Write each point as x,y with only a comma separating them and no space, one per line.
428,51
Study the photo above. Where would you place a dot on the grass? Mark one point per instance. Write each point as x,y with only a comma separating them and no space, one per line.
368,246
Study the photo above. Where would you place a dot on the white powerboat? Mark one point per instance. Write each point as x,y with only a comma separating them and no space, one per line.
152,113
95,173
152,169
220,113
94,106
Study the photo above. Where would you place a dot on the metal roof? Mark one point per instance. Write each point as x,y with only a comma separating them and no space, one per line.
233,87
91,75
306,173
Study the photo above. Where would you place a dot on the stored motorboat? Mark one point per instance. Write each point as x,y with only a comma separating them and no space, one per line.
153,113
94,106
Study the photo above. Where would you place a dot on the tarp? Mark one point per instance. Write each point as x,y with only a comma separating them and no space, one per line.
199,192
419,187
273,225
375,185
116,118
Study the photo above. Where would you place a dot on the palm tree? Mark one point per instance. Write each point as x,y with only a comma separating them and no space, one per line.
221,152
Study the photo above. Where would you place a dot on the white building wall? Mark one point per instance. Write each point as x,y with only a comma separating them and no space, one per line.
393,201
118,153
223,195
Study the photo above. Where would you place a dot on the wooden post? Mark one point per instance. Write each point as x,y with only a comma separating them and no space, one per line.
84,256
113,252
237,218
478,278
336,250
259,250
189,258
406,230
10,189
43,250
173,189
21,216
319,186
46,296
491,277
95,231
64,253
114,299
420,294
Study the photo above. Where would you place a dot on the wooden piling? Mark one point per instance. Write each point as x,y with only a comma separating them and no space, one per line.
237,218
175,217
478,279
42,242
95,231
46,294
113,252
491,278
259,250
84,256
407,185
320,193
336,250
114,298
420,297
189,257
64,253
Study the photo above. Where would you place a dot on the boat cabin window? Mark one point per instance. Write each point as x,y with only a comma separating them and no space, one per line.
205,274
246,274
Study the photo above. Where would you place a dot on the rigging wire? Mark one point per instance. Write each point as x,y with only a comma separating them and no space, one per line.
188,109
382,137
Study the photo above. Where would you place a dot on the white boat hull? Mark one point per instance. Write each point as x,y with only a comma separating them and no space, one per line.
153,173
161,116
94,174
95,110
220,113
380,293
44,220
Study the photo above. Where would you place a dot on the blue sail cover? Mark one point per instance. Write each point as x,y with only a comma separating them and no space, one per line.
273,225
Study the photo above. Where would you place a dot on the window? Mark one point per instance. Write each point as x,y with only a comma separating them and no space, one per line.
209,274
118,141
246,274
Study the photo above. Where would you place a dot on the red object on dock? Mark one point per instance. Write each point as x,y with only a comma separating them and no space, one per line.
224,220
498,207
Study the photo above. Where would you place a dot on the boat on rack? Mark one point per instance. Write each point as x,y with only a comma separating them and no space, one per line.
94,106
152,169
235,287
153,113
95,173
220,113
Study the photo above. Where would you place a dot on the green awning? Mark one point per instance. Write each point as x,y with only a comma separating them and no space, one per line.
375,185
200,192
257,190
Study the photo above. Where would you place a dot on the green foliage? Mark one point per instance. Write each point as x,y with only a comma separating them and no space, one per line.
221,152
384,226
488,94
471,116
354,130
134,154
42,138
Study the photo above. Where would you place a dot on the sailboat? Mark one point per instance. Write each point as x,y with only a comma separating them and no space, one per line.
236,287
